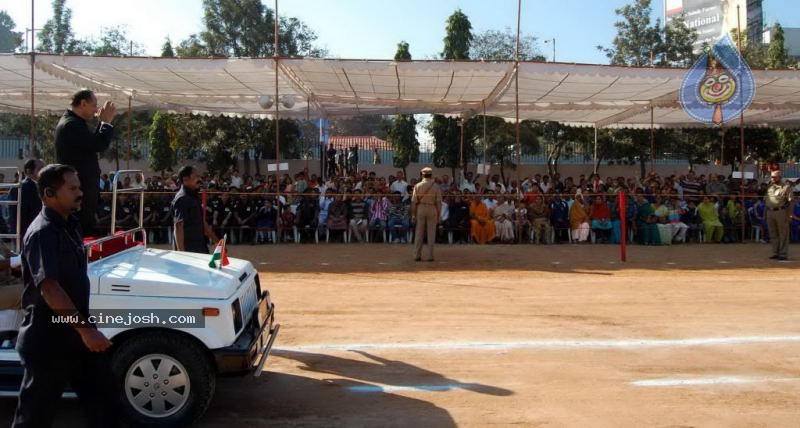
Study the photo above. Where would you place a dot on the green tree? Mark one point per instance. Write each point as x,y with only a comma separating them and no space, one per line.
678,47
403,133
166,49
245,28
458,38
502,45
113,41
501,136
777,56
754,53
192,47
10,40
162,155
637,43
56,36
402,53
446,131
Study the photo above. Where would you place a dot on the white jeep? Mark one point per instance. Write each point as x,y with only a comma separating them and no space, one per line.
166,372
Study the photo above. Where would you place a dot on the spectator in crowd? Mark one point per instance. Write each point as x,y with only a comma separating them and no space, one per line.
709,216
539,216
266,220
579,219
337,215
307,213
400,184
661,211
359,214
522,225
503,215
379,211
646,222
481,225
691,187
559,217
458,220
716,187
600,215
399,219
674,215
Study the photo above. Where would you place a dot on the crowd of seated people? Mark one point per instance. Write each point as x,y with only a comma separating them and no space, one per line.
541,208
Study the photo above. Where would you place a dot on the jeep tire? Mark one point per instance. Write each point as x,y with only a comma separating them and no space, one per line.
165,379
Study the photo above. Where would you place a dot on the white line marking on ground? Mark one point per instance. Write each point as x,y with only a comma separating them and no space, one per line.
671,263
555,263
707,381
723,262
395,388
631,343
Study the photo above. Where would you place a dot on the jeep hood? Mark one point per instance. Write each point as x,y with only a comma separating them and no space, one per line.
149,272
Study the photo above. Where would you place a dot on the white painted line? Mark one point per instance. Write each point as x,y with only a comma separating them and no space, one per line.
555,263
264,263
671,263
539,344
414,388
707,381
723,262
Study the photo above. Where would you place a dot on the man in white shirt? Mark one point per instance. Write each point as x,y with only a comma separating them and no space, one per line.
236,180
465,182
400,184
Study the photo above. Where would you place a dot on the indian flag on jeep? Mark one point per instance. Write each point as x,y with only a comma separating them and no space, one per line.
220,254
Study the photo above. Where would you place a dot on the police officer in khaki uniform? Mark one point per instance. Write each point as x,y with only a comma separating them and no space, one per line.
426,208
777,202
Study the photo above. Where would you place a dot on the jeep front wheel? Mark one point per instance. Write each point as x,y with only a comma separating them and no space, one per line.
166,379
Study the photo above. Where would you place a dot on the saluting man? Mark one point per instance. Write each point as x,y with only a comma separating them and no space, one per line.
426,207
777,200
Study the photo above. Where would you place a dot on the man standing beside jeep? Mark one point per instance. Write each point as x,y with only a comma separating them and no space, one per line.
56,288
188,218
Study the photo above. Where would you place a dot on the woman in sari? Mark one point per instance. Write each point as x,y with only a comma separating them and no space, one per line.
579,220
482,226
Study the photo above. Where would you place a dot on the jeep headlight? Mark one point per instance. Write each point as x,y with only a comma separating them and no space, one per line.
258,287
236,308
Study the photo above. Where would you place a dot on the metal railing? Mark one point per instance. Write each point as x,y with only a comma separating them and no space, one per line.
125,234
17,203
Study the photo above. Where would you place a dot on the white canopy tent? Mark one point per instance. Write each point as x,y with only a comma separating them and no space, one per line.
574,94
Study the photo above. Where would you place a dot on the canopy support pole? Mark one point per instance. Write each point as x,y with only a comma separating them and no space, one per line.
652,140
485,143
130,131
32,148
741,119
595,151
516,96
277,116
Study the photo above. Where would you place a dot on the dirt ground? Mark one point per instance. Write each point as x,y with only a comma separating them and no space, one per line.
566,335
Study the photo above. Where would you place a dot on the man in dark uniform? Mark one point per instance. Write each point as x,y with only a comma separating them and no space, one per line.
190,224
56,284
78,146
30,204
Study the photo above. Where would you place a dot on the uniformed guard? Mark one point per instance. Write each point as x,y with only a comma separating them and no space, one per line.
190,224
426,208
72,351
776,201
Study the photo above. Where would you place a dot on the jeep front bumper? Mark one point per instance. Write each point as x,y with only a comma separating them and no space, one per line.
252,347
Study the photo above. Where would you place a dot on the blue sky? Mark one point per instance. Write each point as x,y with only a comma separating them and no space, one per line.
372,28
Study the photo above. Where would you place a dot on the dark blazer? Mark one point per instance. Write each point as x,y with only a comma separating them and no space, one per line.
31,204
78,146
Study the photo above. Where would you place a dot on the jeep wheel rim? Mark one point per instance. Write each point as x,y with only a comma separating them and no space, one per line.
157,385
